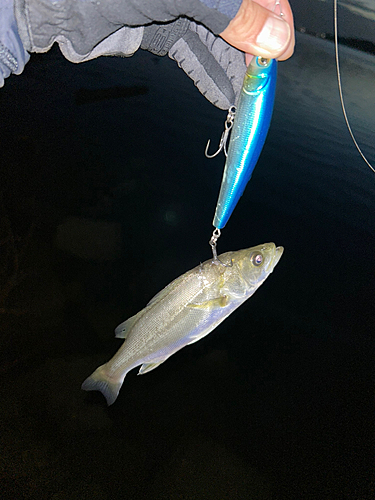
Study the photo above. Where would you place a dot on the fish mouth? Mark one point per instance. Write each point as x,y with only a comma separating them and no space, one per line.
277,256
278,251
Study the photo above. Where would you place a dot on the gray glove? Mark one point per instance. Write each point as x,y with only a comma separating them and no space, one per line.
216,68
120,27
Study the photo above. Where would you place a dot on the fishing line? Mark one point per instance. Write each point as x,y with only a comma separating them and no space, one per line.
340,87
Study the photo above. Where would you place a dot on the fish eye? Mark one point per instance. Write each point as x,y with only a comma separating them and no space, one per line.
256,258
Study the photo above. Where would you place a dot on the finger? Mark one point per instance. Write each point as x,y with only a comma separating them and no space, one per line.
257,30
287,15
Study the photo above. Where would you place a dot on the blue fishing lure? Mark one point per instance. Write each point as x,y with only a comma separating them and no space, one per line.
251,124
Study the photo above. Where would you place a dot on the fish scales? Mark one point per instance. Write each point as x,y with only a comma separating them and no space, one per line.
160,322
183,312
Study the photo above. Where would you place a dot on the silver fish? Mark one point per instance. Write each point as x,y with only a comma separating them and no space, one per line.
183,312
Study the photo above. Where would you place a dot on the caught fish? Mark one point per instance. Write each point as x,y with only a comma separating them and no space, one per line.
184,312
251,124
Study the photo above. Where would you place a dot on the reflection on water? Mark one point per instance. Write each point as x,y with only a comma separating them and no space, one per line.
105,203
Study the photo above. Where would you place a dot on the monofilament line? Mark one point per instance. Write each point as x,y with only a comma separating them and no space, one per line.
340,87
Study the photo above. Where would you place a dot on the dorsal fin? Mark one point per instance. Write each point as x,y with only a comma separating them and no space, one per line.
123,328
163,292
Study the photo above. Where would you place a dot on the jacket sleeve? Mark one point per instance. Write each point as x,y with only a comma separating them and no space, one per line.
13,56
83,24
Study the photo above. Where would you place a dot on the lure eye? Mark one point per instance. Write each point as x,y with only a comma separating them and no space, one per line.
257,258
262,61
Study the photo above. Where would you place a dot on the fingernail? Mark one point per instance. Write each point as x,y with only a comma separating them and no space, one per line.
274,35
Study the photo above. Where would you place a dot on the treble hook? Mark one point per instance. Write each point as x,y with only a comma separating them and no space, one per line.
215,236
224,136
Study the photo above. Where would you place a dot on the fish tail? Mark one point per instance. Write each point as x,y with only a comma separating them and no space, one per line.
100,381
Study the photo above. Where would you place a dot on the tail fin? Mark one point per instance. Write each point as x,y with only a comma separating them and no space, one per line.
99,381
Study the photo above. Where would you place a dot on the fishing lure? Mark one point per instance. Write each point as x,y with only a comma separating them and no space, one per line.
249,131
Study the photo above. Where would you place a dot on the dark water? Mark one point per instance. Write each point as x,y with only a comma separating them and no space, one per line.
106,197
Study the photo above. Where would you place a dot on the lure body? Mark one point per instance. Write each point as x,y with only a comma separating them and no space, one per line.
251,124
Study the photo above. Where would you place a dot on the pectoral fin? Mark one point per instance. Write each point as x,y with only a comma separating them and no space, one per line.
147,367
221,301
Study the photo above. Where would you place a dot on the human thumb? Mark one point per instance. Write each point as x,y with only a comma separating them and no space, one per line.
257,30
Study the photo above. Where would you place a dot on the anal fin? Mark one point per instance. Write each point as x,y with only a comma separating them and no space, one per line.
147,367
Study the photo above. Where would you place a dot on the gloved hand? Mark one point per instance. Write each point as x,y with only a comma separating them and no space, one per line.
216,67
120,27
13,56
